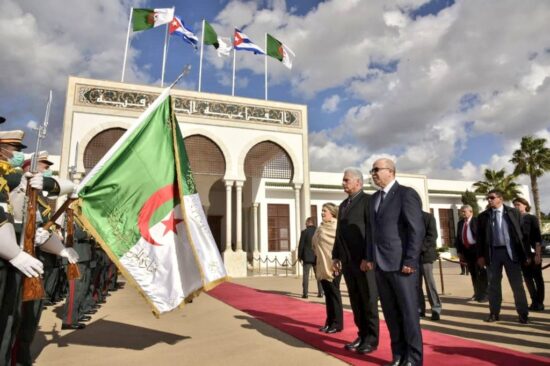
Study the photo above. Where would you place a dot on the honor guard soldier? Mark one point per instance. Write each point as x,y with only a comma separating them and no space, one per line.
14,262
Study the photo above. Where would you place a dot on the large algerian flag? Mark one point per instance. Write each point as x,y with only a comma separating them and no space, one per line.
279,51
148,18
210,37
140,203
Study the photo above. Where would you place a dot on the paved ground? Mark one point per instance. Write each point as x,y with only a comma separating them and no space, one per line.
208,332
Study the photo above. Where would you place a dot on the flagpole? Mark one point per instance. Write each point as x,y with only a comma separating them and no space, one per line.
184,72
234,60
127,42
200,61
164,55
265,66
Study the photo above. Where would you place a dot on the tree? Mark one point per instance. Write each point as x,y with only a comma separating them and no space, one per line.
532,159
498,180
469,198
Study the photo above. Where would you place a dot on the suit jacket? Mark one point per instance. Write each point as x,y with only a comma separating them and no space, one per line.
530,229
485,234
305,248
459,244
353,224
397,229
428,253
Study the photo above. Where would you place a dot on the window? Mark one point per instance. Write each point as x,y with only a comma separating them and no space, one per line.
278,227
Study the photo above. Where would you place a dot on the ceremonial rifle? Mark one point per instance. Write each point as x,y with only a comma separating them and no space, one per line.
33,289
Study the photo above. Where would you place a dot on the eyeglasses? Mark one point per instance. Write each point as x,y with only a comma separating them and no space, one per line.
492,197
376,170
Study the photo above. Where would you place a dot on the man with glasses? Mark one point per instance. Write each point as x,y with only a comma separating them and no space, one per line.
500,244
393,251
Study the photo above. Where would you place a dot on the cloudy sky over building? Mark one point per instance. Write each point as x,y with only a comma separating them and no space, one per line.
447,88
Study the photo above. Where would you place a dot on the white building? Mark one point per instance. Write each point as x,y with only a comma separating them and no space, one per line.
249,158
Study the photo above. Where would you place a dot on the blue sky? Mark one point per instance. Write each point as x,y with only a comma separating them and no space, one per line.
447,88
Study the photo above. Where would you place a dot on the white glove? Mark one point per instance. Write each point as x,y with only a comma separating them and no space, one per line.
70,254
30,266
41,236
36,181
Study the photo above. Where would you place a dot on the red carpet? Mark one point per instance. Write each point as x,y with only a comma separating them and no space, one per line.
302,319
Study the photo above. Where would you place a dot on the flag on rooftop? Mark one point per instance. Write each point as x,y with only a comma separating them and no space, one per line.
178,28
278,50
211,38
141,204
241,42
143,19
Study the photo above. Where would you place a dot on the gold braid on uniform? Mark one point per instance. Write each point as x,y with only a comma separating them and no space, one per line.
6,169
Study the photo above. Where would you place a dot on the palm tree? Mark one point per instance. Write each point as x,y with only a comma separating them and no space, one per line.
498,180
532,159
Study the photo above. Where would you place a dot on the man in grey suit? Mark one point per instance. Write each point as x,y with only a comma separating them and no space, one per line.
393,249
348,254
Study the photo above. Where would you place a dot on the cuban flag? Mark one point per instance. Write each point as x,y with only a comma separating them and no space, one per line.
177,28
241,42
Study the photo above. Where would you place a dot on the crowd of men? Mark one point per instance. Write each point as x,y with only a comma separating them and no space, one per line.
36,277
385,246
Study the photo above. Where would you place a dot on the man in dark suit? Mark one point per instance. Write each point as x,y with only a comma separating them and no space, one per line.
428,255
500,244
397,233
306,255
348,254
465,244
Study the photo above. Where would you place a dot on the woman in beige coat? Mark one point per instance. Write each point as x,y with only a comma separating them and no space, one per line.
323,242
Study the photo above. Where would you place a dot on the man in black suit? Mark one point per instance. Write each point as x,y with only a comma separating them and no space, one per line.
306,255
465,244
500,244
348,254
397,233
428,255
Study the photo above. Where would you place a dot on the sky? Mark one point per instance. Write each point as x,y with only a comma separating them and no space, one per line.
446,88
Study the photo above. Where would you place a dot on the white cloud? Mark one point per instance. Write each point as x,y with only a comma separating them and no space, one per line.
330,104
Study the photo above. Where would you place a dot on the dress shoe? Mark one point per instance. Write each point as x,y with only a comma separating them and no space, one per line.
523,319
353,345
536,307
422,315
492,318
395,362
73,326
333,330
90,312
304,296
84,318
406,363
365,348
324,329
435,316
319,295
483,299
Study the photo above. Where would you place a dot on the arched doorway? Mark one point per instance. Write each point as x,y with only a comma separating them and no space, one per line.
208,166
268,160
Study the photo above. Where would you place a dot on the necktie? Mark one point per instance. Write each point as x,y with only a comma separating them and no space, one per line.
496,229
465,235
382,194
346,205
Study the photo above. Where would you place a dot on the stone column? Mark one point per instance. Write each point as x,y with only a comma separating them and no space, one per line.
239,219
228,186
256,249
298,223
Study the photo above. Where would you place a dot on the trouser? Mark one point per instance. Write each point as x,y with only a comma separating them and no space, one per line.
500,259
532,273
305,280
477,274
333,302
31,311
10,309
363,297
74,302
426,273
399,298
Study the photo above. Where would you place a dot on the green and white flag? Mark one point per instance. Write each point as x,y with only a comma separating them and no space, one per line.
140,203
211,38
143,19
279,51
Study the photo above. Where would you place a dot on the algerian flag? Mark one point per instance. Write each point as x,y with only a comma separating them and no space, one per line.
140,203
279,51
148,18
210,37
